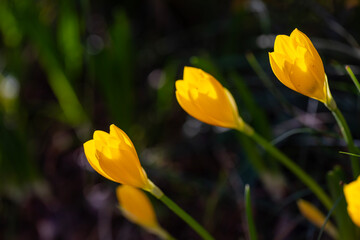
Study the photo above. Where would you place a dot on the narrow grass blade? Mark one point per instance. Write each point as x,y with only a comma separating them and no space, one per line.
249,214
351,154
328,217
353,77
267,81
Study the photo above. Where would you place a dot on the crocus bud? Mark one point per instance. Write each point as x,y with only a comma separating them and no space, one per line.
204,98
316,217
137,208
113,155
297,64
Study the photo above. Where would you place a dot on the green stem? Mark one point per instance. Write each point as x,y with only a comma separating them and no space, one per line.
355,163
186,217
294,168
249,214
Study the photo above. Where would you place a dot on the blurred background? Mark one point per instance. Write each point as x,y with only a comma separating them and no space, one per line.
70,67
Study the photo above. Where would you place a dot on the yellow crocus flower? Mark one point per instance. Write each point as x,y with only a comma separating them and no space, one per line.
297,64
352,196
316,217
137,208
204,98
113,155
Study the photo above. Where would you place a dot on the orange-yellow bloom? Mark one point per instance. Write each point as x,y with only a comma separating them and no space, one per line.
137,208
297,64
204,98
113,155
316,217
352,196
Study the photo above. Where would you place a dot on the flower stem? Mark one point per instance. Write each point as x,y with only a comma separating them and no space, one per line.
186,217
162,233
249,214
355,163
294,168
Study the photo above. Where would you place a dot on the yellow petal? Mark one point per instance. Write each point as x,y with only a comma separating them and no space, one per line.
136,207
182,88
316,217
90,153
219,111
120,134
204,98
278,64
305,82
352,196
201,81
283,45
103,138
302,40
297,64
234,108
122,166
113,155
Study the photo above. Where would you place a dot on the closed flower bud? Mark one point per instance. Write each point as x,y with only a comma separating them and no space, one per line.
352,196
204,98
113,155
316,217
137,208
297,64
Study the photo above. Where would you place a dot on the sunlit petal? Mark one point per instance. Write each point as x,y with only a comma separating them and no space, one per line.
352,196
113,155
136,207
204,98
297,64
90,153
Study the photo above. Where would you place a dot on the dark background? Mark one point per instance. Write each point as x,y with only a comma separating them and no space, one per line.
71,67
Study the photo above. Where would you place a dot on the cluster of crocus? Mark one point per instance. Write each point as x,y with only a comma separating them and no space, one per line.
113,155
296,63
204,98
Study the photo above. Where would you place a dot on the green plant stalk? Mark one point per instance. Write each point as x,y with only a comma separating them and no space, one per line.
355,162
186,217
344,224
353,77
249,215
293,167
